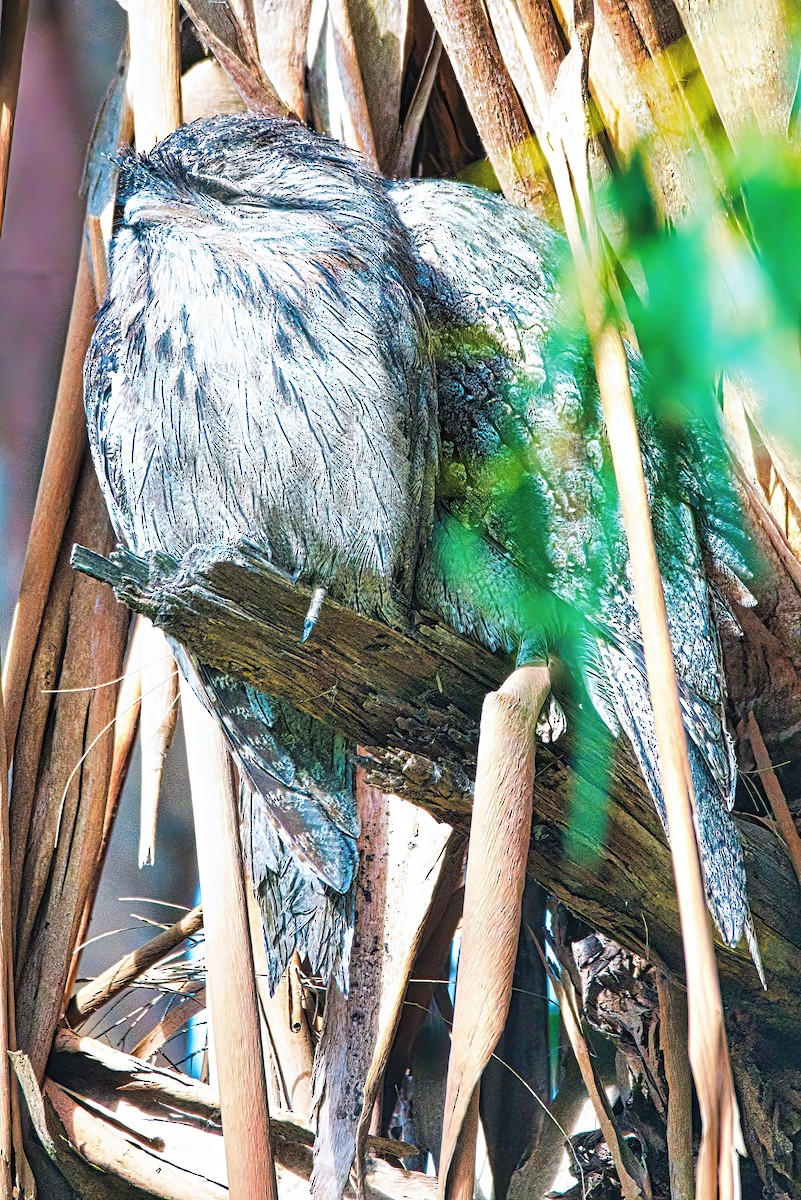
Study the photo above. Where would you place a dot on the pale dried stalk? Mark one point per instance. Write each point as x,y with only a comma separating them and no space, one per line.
123,1155
159,714
634,1182
154,74
499,835
229,957
673,1038
66,447
117,978
191,1005
13,20
709,1056
773,790
564,140
351,81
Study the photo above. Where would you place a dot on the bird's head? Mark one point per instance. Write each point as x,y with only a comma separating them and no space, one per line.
249,172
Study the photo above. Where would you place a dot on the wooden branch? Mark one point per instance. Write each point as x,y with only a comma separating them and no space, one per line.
13,20
416,698
115,979
94,1077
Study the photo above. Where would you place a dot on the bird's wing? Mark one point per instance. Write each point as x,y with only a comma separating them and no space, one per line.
299,822
515,390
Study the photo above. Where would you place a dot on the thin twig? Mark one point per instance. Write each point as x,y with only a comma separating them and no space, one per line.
775,794
192,1002
116,978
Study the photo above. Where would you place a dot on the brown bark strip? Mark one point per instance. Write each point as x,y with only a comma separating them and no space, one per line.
126,723
545,38
673,1038
13,22
115,979
60,781
66,448
424,886
494,105
430,966
496,868
400,852
235,49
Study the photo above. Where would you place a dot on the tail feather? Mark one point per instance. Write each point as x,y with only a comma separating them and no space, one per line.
300,913
719,845
299,822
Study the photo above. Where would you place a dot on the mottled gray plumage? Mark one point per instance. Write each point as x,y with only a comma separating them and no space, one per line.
262,369
516,381
296,352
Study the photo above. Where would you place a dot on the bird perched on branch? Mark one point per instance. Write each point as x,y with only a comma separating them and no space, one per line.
367,379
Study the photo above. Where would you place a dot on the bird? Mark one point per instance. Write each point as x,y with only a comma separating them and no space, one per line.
372,380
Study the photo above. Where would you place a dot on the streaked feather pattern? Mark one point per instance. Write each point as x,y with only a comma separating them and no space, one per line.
299,353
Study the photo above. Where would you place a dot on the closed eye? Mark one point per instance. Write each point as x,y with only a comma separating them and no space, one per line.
229,193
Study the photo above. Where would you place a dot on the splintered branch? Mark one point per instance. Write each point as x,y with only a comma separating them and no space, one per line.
496,870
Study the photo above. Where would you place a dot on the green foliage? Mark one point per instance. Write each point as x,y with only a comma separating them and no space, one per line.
717,295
